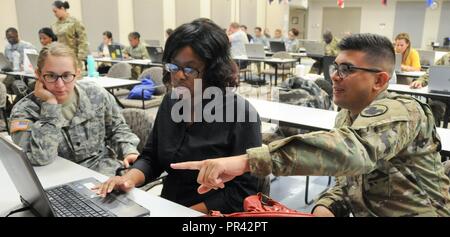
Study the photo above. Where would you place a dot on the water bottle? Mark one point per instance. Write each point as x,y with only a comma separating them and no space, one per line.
16,61
92,72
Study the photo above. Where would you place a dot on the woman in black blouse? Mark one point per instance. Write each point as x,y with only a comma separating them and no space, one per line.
197,53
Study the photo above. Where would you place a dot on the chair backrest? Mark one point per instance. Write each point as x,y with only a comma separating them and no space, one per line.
120,70
2,95
140,123
156,73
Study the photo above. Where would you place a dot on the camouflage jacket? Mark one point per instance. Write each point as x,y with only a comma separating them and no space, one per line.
445,60
332,49
140,52
386,161
72,33
44,134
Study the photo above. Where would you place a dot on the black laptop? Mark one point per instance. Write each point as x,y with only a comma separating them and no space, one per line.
75,199
155,53
115,51
277,46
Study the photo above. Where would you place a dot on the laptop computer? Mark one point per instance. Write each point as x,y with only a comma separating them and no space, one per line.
31,63
439,79
75,199
115,51
155,53
255,51
314,48
5,64
398,62
427,57
277,46
154,43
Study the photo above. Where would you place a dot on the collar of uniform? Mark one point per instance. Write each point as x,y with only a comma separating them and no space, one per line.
382,95
85,109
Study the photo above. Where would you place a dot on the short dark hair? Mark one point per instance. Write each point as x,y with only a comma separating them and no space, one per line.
11,30
295,32
134,35
258,28
61,4
48,32
244,26
169,31
108,34
211,44
378,49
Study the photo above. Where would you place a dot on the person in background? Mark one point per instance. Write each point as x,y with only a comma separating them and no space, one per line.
136,50
169,31
267,33
15,45
278,36
331,49
78,121
70,31
384,149
410,56
197,52
47,36
107,40
249,37
260,38
292,43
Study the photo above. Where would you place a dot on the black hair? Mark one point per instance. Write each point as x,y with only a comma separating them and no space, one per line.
295,32
327,36
11,30
48,32
169,31
244,26
61,4
108,34
258,28
378,49
211,44
134,35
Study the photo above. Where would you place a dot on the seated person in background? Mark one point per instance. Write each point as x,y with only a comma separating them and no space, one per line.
260,38
238,40
437,107
14,46
197,52
249,37
278,36
136,50
410,56
47,36
384,148
103,48
75,121
292,43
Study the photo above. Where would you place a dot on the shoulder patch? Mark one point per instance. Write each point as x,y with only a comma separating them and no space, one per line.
20,125
374,111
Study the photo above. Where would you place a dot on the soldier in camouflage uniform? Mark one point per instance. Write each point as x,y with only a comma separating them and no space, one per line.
70,31
384,148
136,50
71,120
437,107
331,49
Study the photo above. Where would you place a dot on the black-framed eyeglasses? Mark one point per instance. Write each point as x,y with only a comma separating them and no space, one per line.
345,69
188,71
52,78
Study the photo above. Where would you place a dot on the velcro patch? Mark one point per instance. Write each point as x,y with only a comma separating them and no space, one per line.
374,111
20,125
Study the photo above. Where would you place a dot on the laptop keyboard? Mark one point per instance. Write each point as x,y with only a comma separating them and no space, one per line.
66,202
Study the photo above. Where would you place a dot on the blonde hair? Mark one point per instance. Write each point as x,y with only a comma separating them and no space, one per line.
57,50
405,37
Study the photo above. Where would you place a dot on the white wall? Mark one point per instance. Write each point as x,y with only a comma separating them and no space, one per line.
7,19
126,22
375,18
277,17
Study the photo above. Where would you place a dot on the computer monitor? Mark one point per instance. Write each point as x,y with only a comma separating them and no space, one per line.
115,51
277,46
155,53
154,43
255,51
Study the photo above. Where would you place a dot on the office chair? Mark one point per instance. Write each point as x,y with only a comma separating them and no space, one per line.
122,71
140,123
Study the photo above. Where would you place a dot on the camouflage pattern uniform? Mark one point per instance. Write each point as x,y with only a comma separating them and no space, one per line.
139,52
72,33
437,107
303,93
332,49
82,140
386,160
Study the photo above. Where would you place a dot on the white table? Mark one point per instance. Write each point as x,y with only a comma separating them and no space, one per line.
110,83
63,171
140,62
410,74
20,74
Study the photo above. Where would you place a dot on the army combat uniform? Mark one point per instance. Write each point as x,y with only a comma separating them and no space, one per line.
44,134
72,33
386,160
331,49
139,52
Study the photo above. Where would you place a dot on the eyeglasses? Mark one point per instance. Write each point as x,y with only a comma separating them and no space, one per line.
188,71
344,70
52,78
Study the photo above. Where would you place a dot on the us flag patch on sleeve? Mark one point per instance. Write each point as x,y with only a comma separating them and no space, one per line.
20,125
